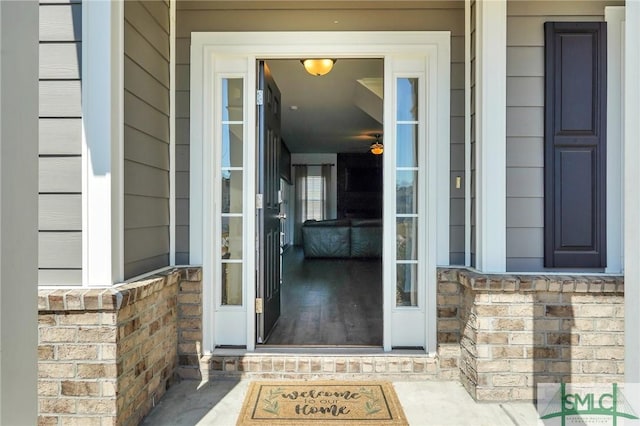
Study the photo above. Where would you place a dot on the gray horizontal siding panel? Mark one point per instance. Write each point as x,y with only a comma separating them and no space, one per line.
182,258
140,19
60,136
312,6
182,184
528,30
525,182
140,179
457,103
61,22
525,264
59,1
456,206
159,11
457,48
457,156
146,137
60,98
456,238
525,242
62,277
457,129
143,266
525,152
182,104
525,92
182,205
60,212
145,243
457,76
182,158
143,117
60,60
183,50
525,212
558,8
183,77
182,131
140,83
142,52
525,61
60,250
144,212
145,149
525,121
456,258
355,19
60,144
182,238
60,174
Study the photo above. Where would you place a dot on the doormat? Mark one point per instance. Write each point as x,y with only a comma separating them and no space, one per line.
321,402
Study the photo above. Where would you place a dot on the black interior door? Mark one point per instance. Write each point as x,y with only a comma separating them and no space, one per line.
268,185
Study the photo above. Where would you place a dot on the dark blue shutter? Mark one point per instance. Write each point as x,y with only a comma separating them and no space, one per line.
575,144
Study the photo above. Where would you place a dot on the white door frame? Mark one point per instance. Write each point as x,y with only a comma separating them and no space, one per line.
205,47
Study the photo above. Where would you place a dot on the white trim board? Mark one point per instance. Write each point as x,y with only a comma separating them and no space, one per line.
102,143
205,47
491,135
631,194
614,16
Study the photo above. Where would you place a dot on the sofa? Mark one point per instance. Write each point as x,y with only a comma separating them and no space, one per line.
342,238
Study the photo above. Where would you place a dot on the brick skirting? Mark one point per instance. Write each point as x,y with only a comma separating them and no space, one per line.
107,355
517,331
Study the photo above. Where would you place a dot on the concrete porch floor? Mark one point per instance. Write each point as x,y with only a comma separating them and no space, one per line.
218,402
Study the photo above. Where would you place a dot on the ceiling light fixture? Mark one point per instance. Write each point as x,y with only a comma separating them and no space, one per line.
318,66
377,148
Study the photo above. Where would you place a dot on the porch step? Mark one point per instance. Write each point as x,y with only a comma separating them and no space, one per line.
409,365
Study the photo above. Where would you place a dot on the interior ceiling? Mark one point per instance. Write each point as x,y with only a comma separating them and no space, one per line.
337,112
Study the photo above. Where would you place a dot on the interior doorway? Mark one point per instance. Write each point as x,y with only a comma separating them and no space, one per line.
331,203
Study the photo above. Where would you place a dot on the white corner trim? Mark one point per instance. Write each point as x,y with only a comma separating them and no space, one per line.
631,194
467,133
172,132
102,143
491,104
614,16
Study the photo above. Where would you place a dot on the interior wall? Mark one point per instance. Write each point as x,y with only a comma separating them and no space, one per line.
321,16
525,121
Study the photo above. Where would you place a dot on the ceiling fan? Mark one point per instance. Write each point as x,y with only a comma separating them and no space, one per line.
376,147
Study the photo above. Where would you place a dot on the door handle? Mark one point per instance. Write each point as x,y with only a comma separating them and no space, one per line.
282,216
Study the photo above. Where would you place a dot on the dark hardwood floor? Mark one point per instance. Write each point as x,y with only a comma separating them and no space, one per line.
335,302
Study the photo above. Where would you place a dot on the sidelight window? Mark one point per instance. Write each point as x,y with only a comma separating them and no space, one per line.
230,163
407,178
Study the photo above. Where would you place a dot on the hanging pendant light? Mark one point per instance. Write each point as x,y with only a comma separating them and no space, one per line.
377,148
318,67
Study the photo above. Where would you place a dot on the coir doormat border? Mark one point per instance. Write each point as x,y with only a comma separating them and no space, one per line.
352,403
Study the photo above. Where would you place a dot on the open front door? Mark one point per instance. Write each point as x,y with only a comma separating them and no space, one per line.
268,203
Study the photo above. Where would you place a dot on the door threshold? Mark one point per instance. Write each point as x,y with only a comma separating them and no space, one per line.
311,350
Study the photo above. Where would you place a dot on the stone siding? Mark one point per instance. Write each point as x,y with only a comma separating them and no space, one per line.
106,356
519,331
